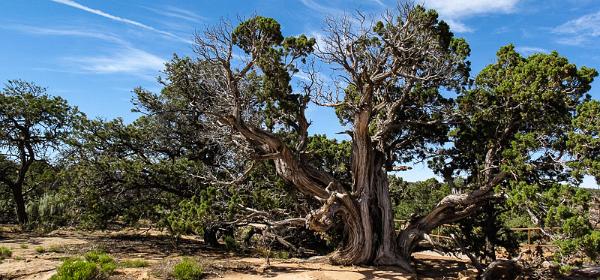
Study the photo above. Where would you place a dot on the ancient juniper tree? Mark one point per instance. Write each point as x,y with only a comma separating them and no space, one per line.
387,75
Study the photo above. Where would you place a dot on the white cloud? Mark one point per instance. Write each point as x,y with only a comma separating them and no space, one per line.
379,2
458,26
123,59
313,5
127,60
66,32
580,30
454,11
524,50
463,8
120,19
179,13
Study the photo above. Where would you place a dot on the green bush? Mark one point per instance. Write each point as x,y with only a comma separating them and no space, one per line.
591,244
48,212
187,269
134,263
5,252
230,243
55,249
282,255
95,265
77,270
40,249
106,262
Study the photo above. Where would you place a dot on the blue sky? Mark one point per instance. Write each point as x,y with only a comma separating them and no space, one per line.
94,52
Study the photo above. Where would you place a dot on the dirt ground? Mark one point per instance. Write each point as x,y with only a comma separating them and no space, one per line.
29,261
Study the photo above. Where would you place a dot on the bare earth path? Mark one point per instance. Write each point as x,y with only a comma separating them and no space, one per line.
37,256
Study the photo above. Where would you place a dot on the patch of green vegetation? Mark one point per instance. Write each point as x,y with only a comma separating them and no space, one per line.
134,263
565,269
40,249
24,246
74,269
5,252
19,258
187,269
230,243
105,261
94,265
56,249
281,255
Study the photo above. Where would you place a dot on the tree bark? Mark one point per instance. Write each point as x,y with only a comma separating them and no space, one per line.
17,191
451,208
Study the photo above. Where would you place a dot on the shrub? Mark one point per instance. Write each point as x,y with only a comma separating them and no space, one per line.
49,212
106,262
40,249
134,263
5,252
24,246
281,255
187,269
591,245
55,249
95,265
230,243
77,270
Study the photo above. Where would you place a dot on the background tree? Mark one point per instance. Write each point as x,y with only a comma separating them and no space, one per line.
33,126
513,140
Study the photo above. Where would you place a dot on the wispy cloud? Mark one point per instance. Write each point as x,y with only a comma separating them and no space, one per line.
65,32
379,2
125,58
313,5
579,31
120,19
457,26
454,11
525,50
178,13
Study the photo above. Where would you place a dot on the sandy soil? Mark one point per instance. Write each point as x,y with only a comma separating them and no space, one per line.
162,253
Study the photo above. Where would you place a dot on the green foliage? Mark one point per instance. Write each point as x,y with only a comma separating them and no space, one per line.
55,249
77,270
415,199
584,141
187,269
330,155
485,232
104,261
134,263
95,265
34,126
590,244
193,214
49,211
5,252
230,243
40,249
